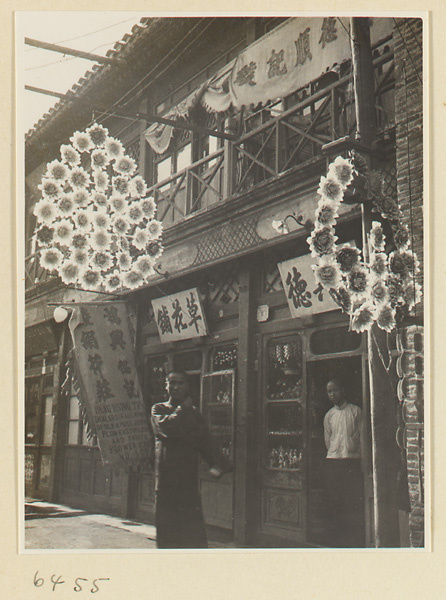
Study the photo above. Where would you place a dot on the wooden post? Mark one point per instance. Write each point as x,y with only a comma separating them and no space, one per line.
382,401
244,417
60,419
229,171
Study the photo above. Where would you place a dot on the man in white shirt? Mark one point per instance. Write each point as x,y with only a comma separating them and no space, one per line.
342,433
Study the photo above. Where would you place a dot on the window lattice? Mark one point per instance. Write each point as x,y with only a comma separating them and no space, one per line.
133,150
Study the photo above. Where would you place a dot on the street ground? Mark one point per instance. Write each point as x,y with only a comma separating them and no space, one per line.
54,526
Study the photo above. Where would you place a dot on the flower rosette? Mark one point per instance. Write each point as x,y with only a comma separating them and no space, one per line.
96,226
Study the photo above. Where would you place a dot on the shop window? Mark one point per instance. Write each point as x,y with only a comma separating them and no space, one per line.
284,417
284,369
284,436
217,409
45,469
332,341
224,358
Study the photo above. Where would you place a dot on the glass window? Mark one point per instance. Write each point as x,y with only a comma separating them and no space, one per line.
156,369
284,436
224,358
284,369
331,341
184,157
164,169
48,421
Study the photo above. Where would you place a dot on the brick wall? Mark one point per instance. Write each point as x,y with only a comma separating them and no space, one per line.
409,161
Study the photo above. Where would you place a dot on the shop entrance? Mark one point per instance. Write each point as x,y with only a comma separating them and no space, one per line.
349,372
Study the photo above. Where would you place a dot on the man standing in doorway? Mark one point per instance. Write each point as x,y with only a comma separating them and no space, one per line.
181,435
345,495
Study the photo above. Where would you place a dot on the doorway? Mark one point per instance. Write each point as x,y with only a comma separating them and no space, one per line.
349,371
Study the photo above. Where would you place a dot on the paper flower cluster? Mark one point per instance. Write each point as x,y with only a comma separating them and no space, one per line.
373,292
96,228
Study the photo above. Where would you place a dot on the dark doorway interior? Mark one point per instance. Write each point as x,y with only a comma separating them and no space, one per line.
349,371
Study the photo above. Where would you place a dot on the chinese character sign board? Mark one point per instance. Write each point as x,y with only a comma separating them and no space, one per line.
110,391
304,295
291,55
179,316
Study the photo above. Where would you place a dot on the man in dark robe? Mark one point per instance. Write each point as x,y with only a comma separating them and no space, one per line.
181,435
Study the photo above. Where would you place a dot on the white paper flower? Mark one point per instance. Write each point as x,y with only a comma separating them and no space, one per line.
120,225
326,213
112,282
79,240
82,220
101,180
69,272
51,258
377,238
412,293
63,232
125,166
379,292
132,279
81,197
98,135
148,207
57,171
114,148
80,258
342,171
99,159
154,229
154,250
78,178
140,238
99,199
321,241
327,273
90,279
120,185
144,265
45,235
386,318
70,155
330,189
101,261
118,204
100,219
378,263
138,187
124,261
100,240
50,189
81,141
358,281
134,212
363,317
66,205
45,211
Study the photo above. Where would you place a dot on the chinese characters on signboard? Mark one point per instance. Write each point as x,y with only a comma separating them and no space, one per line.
304,295
109,384
179,316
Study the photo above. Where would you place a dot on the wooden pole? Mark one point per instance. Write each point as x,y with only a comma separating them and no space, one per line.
78,53
382,400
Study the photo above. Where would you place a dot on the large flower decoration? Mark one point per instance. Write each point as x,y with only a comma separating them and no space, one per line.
96,226
381,290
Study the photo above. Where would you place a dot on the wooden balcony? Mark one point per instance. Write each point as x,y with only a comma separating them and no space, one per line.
323,112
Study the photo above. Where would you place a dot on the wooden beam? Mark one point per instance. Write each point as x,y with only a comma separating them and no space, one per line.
31,88
105,60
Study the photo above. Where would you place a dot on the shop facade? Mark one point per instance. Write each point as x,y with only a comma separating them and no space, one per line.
258,373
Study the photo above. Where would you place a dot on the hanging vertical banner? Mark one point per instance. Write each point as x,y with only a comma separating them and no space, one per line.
304,295
109,384
180,316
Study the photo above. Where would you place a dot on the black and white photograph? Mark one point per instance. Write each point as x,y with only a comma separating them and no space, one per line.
222,226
